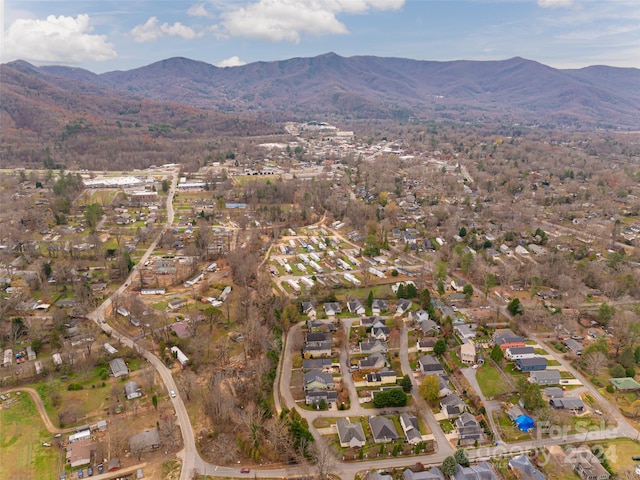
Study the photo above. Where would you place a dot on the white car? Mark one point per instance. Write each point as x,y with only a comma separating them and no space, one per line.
173,394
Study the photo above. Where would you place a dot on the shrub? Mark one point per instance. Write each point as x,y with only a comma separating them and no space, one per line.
609,388
618,371
74,386
631,372
390,398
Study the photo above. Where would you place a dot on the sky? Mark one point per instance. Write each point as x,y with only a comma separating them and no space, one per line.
120,35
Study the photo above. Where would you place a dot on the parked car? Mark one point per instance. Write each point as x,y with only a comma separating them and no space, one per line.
100,468
90,471
636,458
80,474
245,470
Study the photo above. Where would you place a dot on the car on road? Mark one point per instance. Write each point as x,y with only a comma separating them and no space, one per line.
80,474
245,470
173,394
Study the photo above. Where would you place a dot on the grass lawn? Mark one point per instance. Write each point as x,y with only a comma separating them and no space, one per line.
618,453
446,426
491,382
21,443
510,433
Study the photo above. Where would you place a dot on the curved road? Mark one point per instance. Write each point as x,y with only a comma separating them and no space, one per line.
192,462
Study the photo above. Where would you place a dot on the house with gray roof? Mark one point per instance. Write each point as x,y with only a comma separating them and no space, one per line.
525,469
317,395
356,307
467,427
430,365
374,361
452,406
323,364
132,390
332,309
403,305
382,429
411,428
374,346
545,377
147,440
317,379
118,367
426,344
378,306
432,474
481,471
567,403
350,434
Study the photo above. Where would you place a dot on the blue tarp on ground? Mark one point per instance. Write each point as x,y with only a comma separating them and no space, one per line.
524,423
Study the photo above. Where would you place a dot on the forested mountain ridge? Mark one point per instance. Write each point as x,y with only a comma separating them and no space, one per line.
515,90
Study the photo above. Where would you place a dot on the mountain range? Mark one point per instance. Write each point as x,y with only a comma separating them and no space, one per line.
366,87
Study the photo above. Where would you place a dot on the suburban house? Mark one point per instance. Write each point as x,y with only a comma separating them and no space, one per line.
452,406
378,306
545,377
426,344
458,284
466,331
373,475
507,339
132,390
318,344
419,316
586,464
567,403
468,353
147,440
356,307
382,429
531,364
309,309
411,428
118,367
316,379
323,364
430,365
467,427
79,452
351,435
432,474
403,305
524,469
428,327
481,471
573,345
332,309
553,392
384,376
625,384
374,346
317,395
517,353
379,331
443,385
375,362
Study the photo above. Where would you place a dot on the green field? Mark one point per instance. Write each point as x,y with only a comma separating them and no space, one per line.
491,382
23,432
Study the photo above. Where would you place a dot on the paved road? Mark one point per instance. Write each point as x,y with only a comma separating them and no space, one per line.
489,405
442,446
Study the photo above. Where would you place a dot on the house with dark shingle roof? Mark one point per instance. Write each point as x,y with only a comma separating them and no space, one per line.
382,429
525,469
411,428
350,434
374,346
378,306
452,406
356,307
430,365
481,471
432,474
317,379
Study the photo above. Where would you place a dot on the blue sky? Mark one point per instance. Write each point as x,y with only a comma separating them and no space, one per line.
120,35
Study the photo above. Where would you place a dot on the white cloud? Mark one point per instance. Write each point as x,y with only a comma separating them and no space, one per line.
151,30
555,3
198,10
278,20
56,39
231,62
